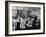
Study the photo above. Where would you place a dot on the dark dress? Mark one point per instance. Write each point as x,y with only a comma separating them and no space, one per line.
35,22
18,26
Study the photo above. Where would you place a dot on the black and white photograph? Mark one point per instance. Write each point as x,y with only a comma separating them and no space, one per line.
24,18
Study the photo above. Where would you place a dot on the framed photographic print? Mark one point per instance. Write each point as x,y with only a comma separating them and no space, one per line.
24,18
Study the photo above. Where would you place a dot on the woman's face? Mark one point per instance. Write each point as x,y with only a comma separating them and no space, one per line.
32,19
28,18
19,15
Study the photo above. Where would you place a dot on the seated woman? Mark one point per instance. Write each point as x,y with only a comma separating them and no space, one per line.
36,23
22,24
28,23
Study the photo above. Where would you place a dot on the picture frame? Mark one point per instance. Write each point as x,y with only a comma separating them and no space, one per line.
11,9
